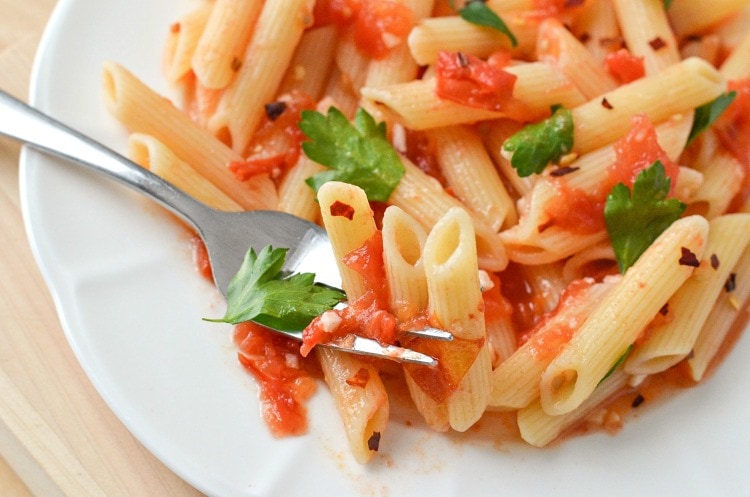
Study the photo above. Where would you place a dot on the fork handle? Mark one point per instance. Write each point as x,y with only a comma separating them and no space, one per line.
28,125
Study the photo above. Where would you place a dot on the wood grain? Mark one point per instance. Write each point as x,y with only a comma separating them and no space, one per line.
57,437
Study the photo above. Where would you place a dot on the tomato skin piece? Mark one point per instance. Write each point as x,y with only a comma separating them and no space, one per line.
285,383
470,81
277,144
380,26
624,66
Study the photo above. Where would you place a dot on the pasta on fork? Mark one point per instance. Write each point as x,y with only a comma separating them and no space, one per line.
562,185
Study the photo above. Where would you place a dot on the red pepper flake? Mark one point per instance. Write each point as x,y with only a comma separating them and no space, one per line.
584,37
562,171
573,3
731,284
638,400
275,109
373,443
360,378
339,208
175,27
664,309
714,261
657,43
689,258
462,59
236,64
606,104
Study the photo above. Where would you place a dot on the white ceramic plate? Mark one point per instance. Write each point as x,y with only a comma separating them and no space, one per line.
131,305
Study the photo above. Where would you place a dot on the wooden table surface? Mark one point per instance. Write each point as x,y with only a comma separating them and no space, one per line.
57,437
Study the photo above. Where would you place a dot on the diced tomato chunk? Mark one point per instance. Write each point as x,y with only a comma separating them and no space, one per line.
470,81
637,151
382,25
276,145
624,66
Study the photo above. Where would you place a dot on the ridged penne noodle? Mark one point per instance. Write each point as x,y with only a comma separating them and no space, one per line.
151,154
735,66
515,382
590,261
277,33
723,176
416,105
690,83
399,65
364,409
668,344
597,28
217,57
455,301
453,34
539,428
555,44
623,314
647,33
310,67
295,196
141,110
472,176
422,197
182,40
691,17
494,134
729,307
403,242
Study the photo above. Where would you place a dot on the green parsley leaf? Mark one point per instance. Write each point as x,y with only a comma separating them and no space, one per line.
358,153
477,12
536,145
667,4
617,364
635,221
259,293
706,114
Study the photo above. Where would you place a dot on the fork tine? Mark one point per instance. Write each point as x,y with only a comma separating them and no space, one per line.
433,333
366,346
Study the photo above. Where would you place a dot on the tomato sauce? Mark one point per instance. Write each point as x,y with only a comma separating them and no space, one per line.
366,316
276,145
200,257
548,344
471,81
286,380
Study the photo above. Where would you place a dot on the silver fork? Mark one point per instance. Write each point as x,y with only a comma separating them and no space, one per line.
227,235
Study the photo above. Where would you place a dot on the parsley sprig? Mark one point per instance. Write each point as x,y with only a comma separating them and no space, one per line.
706,114
358,153
477,12
259,292
634,220
537,145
